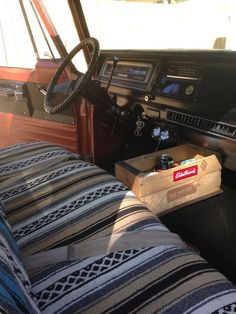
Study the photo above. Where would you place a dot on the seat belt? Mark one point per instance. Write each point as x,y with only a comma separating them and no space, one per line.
116,242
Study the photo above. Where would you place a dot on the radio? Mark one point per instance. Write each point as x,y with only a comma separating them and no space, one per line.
180,81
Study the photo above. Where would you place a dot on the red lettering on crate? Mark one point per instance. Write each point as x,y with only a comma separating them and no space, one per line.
185,173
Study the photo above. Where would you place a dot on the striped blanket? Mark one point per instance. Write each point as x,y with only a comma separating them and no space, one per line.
28,158
71,201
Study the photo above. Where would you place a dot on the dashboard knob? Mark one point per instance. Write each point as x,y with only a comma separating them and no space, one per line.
147,98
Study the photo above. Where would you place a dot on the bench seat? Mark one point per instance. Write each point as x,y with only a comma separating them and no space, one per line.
69,200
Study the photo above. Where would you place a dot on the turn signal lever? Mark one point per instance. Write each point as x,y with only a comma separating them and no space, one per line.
100,97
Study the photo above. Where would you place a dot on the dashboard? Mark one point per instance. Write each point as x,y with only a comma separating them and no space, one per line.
193,91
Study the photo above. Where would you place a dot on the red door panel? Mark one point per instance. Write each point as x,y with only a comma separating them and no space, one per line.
16,128
26,120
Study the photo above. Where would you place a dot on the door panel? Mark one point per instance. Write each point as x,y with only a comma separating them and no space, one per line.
22,115
16,128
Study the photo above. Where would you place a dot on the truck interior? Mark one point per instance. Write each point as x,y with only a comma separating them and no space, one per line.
83,86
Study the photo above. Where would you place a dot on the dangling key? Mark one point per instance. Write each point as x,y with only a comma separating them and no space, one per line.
139,127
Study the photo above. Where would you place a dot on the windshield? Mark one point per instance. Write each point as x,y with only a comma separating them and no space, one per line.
163,24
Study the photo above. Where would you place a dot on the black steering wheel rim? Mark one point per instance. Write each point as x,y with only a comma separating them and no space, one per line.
83,82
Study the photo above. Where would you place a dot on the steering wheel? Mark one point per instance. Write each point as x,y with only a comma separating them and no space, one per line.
80,82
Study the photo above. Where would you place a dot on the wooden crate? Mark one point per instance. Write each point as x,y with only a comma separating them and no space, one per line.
176,187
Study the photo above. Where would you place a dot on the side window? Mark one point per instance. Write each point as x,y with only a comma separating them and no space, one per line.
15,45
16,49
43,42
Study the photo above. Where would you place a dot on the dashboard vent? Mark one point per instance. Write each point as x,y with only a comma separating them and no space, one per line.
206,125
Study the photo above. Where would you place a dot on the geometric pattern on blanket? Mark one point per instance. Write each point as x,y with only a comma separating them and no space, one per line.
228,309
20,189
71,202
30,157
21,197
154,280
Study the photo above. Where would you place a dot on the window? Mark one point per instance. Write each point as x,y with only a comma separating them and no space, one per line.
15,45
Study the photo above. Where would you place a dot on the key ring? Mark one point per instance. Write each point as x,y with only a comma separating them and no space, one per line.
139,127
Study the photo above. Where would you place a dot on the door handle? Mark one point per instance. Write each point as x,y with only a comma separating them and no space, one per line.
7,92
